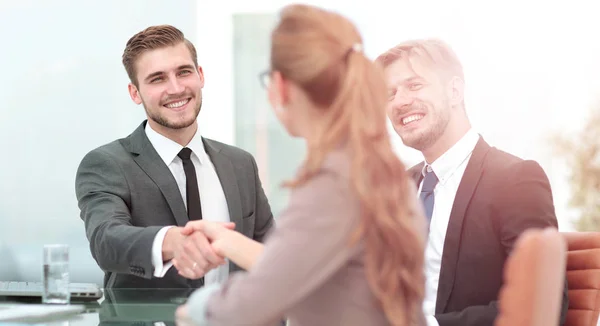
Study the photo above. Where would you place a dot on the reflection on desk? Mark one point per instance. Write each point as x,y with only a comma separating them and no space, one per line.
141,306
126,307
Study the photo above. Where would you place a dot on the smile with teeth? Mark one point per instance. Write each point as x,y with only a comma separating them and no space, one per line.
412,118
178,104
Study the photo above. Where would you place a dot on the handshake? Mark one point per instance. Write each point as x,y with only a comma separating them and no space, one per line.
198,247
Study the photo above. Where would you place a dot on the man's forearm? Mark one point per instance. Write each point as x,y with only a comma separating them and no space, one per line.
124,249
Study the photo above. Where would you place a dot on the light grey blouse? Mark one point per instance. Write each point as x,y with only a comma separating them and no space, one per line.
308,271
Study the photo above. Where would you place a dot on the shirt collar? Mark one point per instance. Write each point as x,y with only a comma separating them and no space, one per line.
168,149
445,166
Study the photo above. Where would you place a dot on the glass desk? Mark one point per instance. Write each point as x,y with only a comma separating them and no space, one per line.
125,307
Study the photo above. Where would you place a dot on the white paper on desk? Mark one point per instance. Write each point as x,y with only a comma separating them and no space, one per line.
11,312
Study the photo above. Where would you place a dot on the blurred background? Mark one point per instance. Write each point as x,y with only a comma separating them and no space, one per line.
532,88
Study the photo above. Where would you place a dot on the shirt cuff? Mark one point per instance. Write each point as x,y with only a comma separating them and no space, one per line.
160,268
431,321
198,303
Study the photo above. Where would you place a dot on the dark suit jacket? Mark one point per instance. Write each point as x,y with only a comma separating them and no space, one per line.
499,197
126,194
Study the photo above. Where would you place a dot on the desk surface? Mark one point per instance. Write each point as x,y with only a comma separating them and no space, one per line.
128,307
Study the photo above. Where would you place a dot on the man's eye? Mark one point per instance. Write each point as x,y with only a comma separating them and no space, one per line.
415,86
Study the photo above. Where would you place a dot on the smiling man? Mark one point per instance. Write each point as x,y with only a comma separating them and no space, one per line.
136,193
478,199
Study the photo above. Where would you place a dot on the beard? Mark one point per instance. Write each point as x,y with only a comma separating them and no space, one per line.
437,120
160,119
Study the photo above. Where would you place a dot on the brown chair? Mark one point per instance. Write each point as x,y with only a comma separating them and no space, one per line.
533,280
583,277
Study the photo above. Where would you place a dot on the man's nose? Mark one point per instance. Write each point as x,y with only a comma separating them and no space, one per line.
401,99
175,86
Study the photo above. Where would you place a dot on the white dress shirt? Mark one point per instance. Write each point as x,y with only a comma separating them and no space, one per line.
212,197
449,168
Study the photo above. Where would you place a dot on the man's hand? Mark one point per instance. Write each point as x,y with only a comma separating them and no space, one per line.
196,256
172,243
212,230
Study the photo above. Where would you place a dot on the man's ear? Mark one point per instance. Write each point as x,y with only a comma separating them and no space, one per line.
201,74
134,93
456,89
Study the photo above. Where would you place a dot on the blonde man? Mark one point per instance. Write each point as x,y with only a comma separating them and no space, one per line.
478,199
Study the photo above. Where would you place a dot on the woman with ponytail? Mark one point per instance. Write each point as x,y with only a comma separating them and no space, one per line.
348,250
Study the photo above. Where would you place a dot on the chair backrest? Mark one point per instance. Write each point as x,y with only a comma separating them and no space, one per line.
583,277
533,280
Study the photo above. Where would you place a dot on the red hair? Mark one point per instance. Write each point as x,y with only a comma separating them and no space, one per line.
314,49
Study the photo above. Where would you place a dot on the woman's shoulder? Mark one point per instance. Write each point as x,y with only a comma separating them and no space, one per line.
331,180
337,162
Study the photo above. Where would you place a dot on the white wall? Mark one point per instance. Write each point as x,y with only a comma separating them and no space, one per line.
63,92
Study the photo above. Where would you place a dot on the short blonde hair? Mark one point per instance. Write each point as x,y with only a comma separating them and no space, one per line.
433,53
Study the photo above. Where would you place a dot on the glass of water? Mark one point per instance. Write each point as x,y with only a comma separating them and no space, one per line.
55,276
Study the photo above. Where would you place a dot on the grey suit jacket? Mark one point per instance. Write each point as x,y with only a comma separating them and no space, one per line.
127,194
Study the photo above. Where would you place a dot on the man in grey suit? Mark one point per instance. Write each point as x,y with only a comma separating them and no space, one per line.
136,193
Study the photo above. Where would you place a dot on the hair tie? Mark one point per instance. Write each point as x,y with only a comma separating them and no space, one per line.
356,47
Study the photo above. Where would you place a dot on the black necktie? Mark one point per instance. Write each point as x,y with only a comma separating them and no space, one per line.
192,195
191,185
427,196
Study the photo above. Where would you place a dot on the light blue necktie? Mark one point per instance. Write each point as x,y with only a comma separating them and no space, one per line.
427,197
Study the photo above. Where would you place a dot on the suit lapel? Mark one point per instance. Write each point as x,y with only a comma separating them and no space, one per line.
228,179
465,192
148,160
